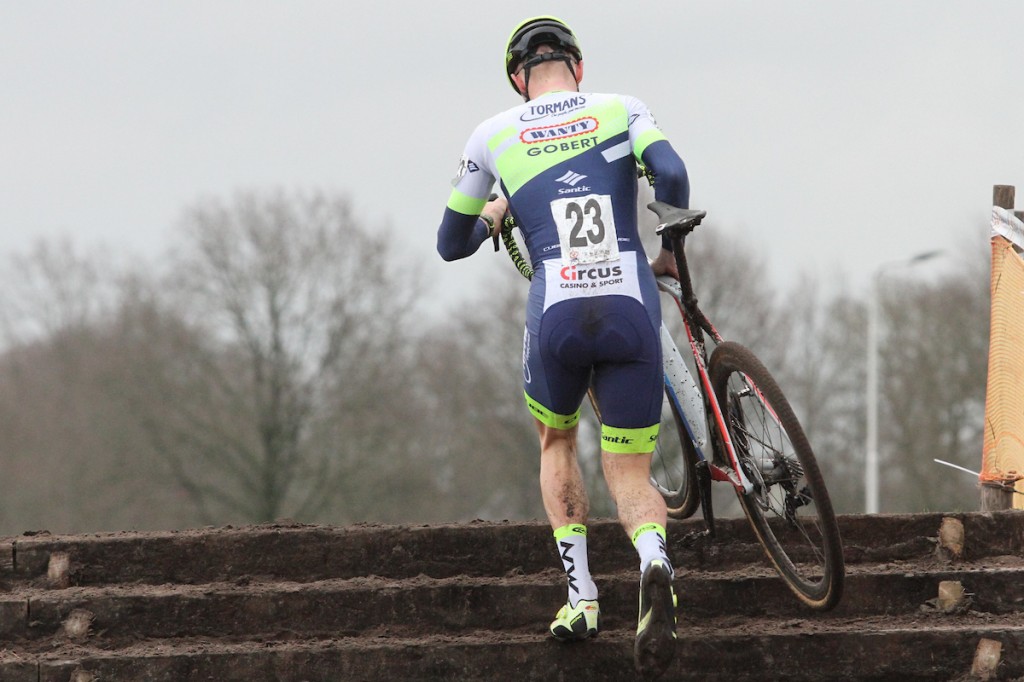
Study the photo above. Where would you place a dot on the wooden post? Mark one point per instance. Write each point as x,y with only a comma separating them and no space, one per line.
1002,196
998,495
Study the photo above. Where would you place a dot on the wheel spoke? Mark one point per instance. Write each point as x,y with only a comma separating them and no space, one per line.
789,507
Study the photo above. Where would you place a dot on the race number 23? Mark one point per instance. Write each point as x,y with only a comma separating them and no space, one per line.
586,229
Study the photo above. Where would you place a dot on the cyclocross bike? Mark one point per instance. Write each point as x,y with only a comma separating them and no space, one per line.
735,426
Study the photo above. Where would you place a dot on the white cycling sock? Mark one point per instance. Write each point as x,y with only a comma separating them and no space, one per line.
571,541
650,542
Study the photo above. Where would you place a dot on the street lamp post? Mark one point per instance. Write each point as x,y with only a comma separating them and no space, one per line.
871,457
871,453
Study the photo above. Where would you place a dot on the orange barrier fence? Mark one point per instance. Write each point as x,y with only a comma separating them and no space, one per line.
1003,449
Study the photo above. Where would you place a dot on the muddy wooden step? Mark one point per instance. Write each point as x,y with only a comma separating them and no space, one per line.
890,537
862,650
454,605
896,591
309,553
296,552
869,539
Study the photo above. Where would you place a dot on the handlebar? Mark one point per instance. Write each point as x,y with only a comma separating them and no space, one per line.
512,247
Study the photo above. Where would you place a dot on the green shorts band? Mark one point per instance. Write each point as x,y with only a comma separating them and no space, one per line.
549,418
629,441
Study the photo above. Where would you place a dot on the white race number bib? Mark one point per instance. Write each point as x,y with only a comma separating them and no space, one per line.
586,229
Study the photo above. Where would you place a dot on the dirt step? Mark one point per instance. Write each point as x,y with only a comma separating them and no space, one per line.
455,605
471,602
902,650
309,553
290,552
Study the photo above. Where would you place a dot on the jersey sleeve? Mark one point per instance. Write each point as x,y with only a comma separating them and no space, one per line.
652,149
461,231
473,181
643,129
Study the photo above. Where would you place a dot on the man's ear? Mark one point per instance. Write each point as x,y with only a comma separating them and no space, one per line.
520,80
579,71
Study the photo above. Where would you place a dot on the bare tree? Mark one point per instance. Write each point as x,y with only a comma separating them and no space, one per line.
269,393
933,359
819,364
934,371
72,458
475,427
55,288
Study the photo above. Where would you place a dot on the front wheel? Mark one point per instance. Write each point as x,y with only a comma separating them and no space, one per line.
789,508
673,462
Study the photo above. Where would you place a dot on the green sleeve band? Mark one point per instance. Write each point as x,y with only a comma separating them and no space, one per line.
571,529
647,527
465,204
645,140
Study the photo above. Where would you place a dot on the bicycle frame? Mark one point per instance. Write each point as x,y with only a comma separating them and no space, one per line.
724,466
690,313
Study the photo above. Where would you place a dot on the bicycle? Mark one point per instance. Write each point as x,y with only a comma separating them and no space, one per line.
755,440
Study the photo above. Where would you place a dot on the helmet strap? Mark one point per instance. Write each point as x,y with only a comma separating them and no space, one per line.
535,59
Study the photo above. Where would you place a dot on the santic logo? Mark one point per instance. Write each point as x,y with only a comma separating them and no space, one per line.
561,131
571,178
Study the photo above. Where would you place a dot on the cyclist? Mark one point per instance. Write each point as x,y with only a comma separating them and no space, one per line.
566,163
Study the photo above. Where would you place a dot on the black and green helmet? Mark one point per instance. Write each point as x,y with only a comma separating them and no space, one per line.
531,33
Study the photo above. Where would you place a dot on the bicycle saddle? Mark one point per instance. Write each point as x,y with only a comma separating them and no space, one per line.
673,218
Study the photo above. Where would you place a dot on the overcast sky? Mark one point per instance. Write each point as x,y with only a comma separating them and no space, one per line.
832,136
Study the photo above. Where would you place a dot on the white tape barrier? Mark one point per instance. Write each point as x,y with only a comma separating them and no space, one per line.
1008,226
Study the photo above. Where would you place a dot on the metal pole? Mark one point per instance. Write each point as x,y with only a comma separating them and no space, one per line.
871,497
871,459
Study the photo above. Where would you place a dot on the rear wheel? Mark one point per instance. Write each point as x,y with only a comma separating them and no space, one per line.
673,462
789,507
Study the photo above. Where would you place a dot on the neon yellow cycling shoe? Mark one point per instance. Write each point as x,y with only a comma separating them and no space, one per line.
576,623
656,627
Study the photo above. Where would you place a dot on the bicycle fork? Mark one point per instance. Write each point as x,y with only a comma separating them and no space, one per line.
729,470
703,472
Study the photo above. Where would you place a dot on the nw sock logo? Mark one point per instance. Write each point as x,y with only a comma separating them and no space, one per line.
570,564
664,550
571,178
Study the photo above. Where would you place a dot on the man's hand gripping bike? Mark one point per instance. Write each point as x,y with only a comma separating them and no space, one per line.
736,413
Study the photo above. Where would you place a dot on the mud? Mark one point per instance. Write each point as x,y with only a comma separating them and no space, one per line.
471,601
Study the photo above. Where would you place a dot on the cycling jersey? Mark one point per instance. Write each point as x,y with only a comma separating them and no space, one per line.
566,161
576,149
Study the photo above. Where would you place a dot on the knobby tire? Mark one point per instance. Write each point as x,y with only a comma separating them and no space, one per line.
673,464
789,509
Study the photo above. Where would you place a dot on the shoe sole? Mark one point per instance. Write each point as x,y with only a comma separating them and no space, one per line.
571,636
567,634
656,645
